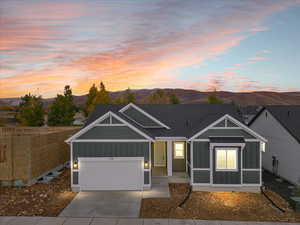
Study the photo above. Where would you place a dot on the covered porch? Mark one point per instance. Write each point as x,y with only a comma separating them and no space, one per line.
169,159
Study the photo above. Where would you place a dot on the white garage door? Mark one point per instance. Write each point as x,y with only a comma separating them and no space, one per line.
118,173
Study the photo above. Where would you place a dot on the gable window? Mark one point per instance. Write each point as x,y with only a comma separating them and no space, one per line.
179,150
226,159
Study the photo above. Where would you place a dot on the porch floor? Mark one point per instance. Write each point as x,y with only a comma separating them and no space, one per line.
159,171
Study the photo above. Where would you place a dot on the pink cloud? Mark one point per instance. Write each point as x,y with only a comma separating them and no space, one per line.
50,46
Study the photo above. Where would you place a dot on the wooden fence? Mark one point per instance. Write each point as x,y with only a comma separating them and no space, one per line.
27,153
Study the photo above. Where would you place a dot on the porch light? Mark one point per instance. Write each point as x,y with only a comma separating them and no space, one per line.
75,164
146,165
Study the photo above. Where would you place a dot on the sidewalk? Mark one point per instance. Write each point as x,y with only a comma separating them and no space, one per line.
120,221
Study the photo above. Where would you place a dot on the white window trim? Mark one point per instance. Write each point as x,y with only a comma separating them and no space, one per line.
174,151
236,149
238,123
94,123
144,112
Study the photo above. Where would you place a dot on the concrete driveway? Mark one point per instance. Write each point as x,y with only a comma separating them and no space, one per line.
104,204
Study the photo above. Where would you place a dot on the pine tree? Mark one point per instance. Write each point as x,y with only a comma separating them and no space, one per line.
174,99
31,111
214,99
62,110
89,99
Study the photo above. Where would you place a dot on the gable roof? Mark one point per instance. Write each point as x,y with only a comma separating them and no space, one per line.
287,115
102,117
184,120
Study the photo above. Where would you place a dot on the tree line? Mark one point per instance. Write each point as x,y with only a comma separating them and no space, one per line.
32,112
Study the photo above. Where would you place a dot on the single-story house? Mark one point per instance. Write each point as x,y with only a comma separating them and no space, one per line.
122,146
281,126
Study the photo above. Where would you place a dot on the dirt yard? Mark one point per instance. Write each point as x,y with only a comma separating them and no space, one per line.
38,199
217,206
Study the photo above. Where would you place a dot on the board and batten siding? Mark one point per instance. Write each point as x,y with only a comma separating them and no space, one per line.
111,149
248,159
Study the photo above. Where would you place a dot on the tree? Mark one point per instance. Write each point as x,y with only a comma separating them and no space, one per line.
214,99
126,98
102,97
30,111
89,99
162,97
62,110
174,99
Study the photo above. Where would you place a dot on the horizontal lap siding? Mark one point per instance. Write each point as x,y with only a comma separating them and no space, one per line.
110,132
109,149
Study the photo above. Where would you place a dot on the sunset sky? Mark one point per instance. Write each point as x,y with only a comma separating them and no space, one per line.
194,44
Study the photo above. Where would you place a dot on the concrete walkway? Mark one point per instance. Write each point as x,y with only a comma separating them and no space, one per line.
120,221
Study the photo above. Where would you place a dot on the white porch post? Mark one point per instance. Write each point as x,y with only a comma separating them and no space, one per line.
170,157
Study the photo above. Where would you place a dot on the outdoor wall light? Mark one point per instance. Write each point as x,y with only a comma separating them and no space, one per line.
75,164
146,165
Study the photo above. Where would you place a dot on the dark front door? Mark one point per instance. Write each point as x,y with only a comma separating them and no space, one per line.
179,157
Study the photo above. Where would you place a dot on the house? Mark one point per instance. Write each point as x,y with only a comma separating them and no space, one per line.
249,112
281,126
122,146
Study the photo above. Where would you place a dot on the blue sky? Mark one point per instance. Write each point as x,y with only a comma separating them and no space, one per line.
232,45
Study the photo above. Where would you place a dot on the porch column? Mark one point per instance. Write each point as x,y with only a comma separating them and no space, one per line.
169,157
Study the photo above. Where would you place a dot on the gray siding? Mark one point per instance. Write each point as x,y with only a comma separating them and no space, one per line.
140,117
188,152
220,124
109,149
201,155
223,177
251,177
105,121
111,132
146,177
115,121
251,155
201,176
231,124
75,177
225,132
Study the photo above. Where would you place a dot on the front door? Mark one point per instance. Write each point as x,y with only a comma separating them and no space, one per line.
179,154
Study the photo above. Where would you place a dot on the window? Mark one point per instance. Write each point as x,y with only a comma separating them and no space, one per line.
179,150
226,159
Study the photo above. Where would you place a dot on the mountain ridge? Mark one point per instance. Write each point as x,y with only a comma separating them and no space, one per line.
188,96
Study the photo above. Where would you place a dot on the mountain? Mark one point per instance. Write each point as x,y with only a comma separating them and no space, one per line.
194,97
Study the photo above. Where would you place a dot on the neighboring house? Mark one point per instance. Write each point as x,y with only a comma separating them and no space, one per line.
249,112
281,126
122,147
79,119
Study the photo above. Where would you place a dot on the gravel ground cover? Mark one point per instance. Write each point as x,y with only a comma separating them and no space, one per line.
218,206
38,199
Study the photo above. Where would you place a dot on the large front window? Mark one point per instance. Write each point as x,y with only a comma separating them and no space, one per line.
226,159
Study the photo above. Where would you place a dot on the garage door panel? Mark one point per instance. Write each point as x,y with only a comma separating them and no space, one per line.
111,175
